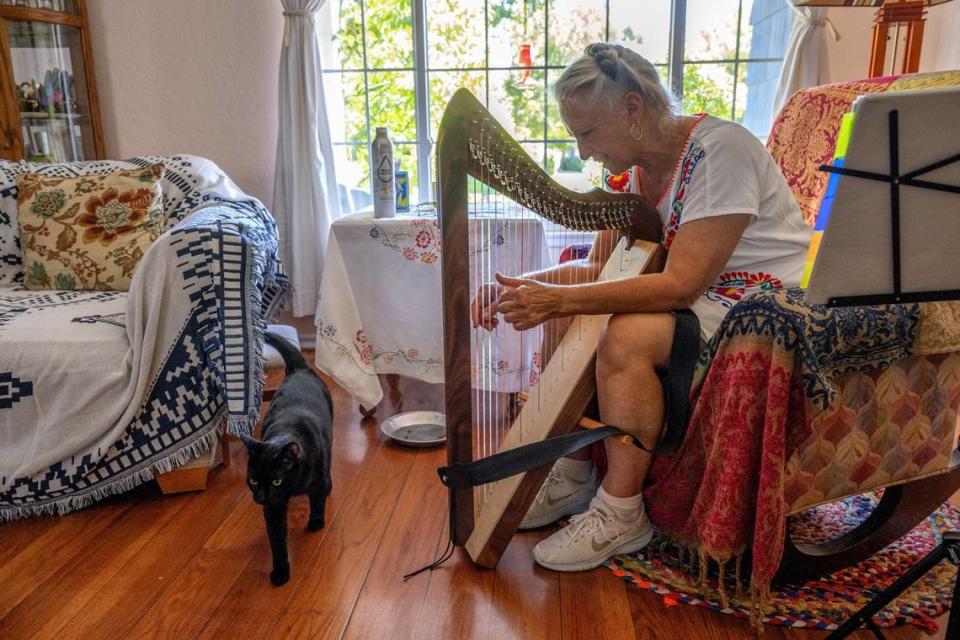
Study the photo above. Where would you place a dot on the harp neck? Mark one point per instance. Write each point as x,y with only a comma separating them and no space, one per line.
470,142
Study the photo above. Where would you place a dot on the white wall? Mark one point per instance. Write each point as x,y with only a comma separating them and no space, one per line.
941,38
191,76
850,55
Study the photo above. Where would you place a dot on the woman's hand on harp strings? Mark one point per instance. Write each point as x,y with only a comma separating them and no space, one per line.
483,310
526,303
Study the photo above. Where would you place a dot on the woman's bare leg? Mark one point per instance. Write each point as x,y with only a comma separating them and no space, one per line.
630,393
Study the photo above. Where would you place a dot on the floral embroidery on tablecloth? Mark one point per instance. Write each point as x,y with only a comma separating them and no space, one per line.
421,240
734,285
504,369
362,353
363,347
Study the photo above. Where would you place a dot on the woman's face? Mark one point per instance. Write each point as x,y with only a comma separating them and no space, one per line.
602,133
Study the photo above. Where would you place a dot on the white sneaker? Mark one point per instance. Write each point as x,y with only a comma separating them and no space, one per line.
591,538
559,496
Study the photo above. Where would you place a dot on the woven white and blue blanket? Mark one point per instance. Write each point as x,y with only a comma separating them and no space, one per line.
100,391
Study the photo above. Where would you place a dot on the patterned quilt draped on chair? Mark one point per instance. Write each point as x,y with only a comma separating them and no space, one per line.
770,369
804,134
101,390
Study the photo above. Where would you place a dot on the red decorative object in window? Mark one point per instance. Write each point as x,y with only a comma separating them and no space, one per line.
526,61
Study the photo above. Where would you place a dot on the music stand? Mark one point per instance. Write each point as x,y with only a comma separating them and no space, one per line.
891,238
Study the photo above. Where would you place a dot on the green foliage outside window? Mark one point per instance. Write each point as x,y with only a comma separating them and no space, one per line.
456,37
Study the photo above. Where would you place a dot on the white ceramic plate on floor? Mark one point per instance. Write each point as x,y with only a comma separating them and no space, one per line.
416,428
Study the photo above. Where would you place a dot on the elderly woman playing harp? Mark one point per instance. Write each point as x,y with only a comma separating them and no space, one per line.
731,228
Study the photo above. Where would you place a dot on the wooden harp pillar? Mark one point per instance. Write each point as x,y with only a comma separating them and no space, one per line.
478,162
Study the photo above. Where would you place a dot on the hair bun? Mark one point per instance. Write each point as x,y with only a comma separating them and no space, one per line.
606,56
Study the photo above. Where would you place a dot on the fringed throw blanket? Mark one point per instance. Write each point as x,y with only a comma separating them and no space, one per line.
101,390
769,366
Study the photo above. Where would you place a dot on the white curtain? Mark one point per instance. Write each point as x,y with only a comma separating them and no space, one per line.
306,201
805,61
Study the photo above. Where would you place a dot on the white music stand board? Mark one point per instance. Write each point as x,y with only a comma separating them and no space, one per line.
894,231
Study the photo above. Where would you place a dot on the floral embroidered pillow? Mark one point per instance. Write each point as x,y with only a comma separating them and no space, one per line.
89,232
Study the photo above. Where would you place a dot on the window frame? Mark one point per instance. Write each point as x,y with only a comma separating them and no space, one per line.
424,142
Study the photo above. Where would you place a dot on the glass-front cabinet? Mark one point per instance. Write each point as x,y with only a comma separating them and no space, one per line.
48,100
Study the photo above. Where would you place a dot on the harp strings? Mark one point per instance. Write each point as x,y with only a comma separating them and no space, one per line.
500,224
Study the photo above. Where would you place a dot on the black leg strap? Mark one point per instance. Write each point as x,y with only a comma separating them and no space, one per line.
676,382
523,458
678,378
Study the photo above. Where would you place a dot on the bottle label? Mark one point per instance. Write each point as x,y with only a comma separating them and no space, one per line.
403,191
385,169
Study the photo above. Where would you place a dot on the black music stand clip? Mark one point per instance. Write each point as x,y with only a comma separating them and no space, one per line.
949,547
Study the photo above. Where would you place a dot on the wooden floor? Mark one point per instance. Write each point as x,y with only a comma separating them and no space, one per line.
196,565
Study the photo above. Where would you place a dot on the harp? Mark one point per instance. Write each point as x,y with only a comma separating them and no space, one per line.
484,174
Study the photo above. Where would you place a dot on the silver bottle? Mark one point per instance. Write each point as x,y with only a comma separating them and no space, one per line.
382,180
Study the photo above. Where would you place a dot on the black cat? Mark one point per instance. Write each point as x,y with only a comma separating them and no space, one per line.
294,456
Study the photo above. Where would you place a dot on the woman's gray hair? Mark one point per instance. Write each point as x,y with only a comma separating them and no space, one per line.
607,71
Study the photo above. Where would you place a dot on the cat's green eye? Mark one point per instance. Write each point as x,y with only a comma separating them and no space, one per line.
277,482
252,481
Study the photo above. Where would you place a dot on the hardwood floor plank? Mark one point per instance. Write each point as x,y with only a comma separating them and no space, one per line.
252,591
322,602
526,597
190,598
590,602
16,535
388,607
64,594
654,620
515,600
117,607
51,550
458,599
252,605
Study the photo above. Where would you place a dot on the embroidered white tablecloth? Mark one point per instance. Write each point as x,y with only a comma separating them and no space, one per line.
380,302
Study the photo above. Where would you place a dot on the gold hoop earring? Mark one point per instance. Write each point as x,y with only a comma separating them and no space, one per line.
636,136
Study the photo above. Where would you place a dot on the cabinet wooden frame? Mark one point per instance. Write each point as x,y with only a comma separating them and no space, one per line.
12,146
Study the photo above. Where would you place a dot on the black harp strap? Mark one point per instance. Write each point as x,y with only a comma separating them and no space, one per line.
676,381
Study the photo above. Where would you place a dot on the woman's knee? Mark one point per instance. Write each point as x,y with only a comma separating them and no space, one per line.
636,339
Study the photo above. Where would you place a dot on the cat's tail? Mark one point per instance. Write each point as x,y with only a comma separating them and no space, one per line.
290,354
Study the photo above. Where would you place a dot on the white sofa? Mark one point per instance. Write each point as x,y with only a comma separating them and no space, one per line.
100,391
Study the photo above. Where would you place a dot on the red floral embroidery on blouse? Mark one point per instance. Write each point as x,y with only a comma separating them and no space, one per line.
693,155
619,182
734,284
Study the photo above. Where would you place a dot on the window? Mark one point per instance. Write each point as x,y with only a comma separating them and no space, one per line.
724,58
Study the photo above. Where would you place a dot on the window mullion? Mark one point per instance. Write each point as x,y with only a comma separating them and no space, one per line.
366,85
678,31
421,88
546,76
736,62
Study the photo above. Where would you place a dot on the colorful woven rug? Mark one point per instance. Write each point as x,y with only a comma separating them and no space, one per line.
674,574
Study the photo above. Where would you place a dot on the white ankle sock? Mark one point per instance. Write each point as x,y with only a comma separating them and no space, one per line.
625,509
576,470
